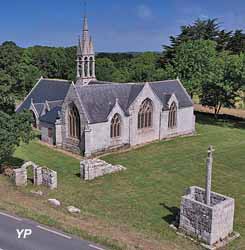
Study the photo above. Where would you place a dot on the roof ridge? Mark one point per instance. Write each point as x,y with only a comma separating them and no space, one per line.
56,79
164,81
56,100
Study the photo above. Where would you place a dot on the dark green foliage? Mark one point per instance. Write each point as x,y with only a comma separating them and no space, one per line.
13,129
200,30
237,42
225,78
192,63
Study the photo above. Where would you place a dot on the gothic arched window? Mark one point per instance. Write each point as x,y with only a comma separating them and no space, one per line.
172,117
116,126
74,122
145,114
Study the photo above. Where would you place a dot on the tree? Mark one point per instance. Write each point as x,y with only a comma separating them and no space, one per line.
200,30
105,69
13,129
6,96
143,67
224,81
237,42
192,63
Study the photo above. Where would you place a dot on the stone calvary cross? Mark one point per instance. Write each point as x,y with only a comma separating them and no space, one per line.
209,174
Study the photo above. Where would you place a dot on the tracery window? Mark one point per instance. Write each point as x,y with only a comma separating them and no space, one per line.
145,114
172,117
74,122
116,126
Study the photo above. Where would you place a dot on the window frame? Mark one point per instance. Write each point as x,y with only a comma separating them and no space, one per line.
74,124
116,126
145,115
173,116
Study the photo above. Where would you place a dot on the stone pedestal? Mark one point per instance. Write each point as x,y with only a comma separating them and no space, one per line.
209,223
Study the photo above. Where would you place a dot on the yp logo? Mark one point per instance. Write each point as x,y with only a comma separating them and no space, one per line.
23,233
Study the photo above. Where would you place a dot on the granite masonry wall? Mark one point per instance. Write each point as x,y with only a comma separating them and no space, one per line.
41,176
209,223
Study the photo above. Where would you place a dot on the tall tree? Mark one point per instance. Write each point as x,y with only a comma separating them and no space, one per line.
192,63
237,42
201,29
224,80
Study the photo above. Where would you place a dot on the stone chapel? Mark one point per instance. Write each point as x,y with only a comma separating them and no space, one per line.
90,116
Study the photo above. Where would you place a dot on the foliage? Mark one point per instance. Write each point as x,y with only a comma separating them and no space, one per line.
225,79
200,30
192,63
13,129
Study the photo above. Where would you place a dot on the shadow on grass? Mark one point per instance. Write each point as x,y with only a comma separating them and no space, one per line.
222,120
173,217
78,175
12,163
15,162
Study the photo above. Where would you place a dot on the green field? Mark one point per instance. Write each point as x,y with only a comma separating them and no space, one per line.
147,195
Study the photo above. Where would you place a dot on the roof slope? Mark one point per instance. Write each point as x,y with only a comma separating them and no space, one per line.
99,98
51,116
46,90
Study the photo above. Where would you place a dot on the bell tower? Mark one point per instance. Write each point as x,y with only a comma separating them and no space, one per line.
85,56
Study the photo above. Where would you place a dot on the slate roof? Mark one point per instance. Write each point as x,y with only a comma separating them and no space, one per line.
98,98
39,107
51,116
46,90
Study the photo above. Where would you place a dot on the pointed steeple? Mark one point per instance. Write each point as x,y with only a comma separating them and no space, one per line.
85,29
85,56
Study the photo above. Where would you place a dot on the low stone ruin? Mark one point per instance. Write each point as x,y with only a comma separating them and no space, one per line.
41,175
93,168
207,215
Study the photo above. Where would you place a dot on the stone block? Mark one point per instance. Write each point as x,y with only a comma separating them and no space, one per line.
93,168
54,202
20,177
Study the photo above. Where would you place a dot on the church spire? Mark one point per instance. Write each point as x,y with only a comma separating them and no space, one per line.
85,55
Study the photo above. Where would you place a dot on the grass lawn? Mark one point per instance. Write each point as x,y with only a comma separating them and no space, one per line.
147,195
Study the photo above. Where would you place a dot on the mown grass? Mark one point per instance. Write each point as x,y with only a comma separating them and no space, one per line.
147,195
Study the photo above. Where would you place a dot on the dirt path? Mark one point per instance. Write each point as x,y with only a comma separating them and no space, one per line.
234,112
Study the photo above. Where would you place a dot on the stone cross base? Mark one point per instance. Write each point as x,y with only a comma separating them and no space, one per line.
210,224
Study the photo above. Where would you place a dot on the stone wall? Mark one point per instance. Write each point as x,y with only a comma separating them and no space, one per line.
72,144
97,137
93,168
209,223
45,133
41,176
49,178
